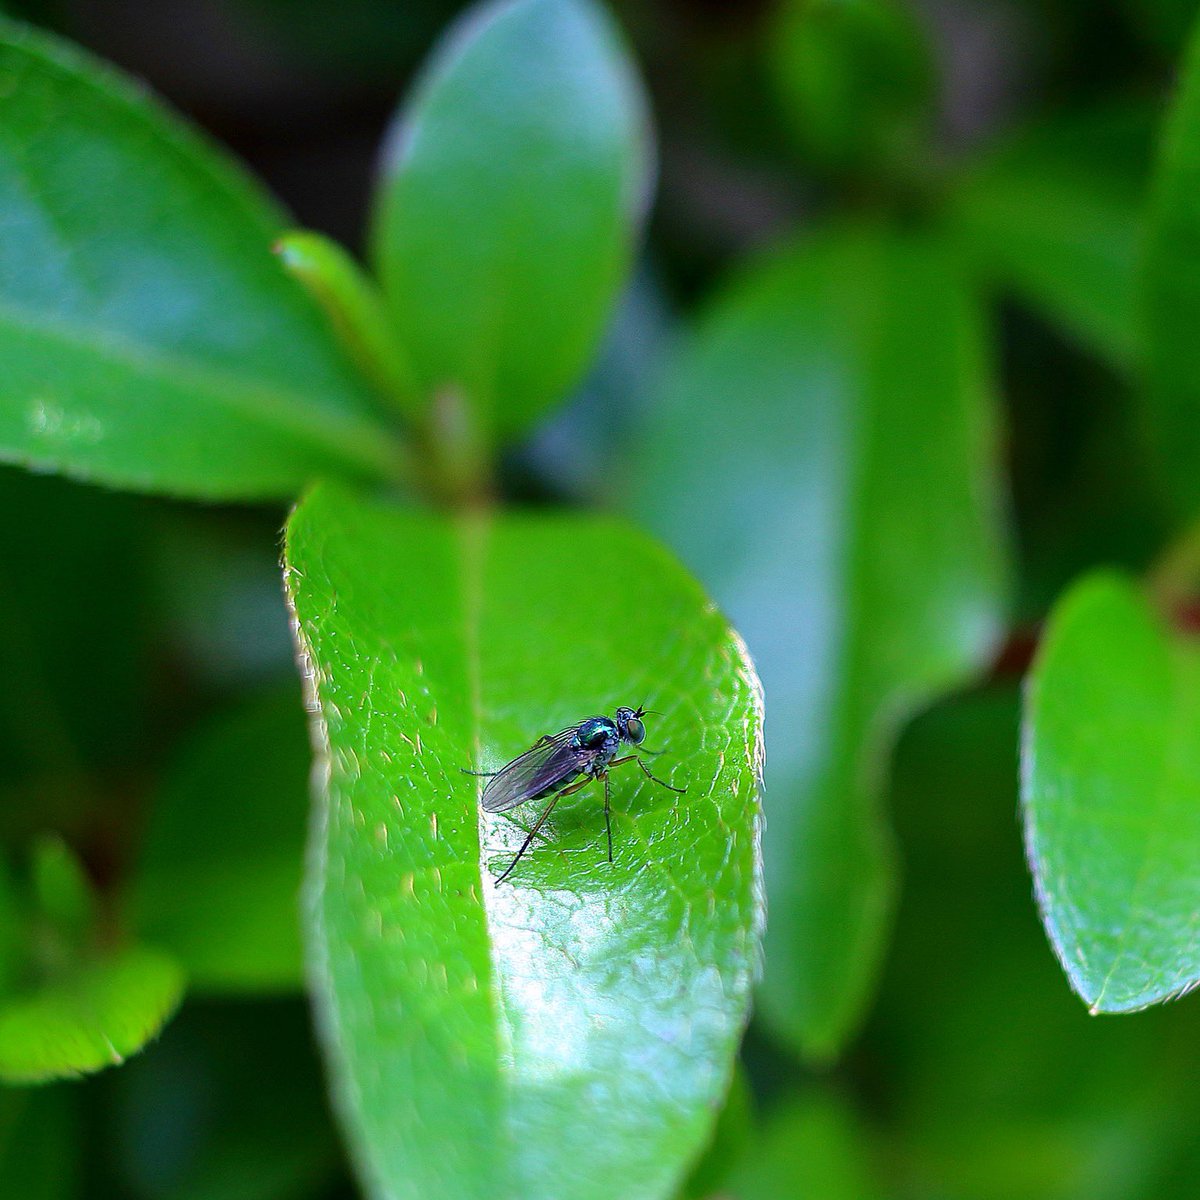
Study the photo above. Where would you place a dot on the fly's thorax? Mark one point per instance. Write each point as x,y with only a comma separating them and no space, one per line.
598,734
598,739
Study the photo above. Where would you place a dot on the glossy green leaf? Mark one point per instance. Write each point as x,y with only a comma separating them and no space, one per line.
569,1033
1111,796
512,188
149,338
1055,216
1171,294
821,453
811,1146
218,881
92,1015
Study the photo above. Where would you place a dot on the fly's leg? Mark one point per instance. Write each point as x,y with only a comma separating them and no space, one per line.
479,774
616,762
607,817
540,822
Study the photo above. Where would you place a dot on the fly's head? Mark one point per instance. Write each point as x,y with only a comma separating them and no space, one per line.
629,724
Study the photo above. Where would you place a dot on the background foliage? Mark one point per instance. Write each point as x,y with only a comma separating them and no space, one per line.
905,375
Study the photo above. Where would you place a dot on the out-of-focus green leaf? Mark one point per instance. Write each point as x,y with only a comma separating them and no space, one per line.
91,1015
999,1086
218,881
1111,796
1171,294
13,932
810,1147
821,453
60,543
729,1139
228,1105
61,890
512,188
570,1032
149,338
355,309
1055,215
855,78
39,1144
217,582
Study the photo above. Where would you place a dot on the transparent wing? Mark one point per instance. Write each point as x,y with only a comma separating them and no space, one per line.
552,760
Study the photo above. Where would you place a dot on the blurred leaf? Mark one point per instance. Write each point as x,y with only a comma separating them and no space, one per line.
92,1015
729,1138
855,78
513,184
70,542
821,453
999,1086
39,1144
1165,22
354,42
1055,215
217,578
61,890
1171,294
1111,795
228,1105
218,880
13,932
809,1147
569,1033
355,309
149,338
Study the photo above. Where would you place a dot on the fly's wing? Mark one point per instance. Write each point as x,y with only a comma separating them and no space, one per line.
553,760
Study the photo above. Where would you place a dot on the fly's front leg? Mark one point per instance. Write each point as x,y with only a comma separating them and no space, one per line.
616,762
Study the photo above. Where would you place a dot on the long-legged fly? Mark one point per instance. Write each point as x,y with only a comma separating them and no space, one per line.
553,764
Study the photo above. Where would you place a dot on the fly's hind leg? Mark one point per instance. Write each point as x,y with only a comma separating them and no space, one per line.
540,822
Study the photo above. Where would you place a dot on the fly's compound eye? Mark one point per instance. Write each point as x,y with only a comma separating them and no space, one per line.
635,731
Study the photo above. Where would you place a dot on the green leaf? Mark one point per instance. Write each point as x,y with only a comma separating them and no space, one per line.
821,453
512,188
1055,215
39,1144
149,338
228,1105
1171,294
61,890
730,1136
571,1032
854,78
810,1147
1111,796
356,310
219,876
91,1016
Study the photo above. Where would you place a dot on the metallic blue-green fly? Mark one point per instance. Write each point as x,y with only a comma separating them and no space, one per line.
552,766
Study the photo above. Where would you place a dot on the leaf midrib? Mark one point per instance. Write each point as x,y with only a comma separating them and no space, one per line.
356,439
